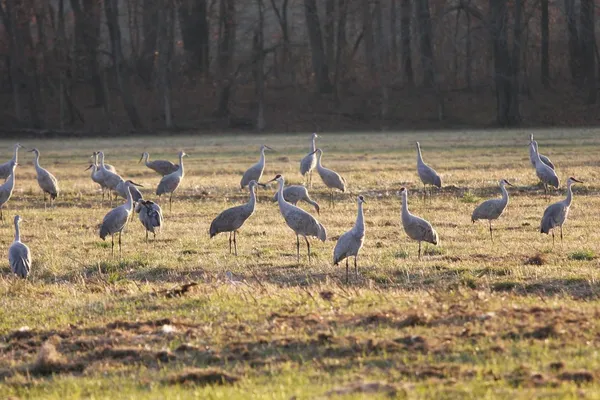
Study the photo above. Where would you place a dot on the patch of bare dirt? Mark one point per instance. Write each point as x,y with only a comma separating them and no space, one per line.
579,377
202,377
366,388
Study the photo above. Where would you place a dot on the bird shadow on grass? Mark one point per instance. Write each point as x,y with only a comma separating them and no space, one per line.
577,288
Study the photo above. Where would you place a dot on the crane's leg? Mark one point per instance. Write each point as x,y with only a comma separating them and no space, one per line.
170,201
356,265
229,242
146,236
552,237
561,235
119,243
308,248
347,279
235,242
112,244
419,249
491,235
298,248
310,179
1,215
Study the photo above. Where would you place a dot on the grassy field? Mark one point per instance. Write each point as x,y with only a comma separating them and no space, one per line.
516,318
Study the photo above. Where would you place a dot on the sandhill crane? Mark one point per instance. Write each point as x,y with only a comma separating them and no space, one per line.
6,190
416,228
330,178
427,174
254,173
294,193
107,166
163,167
115,220
350,243
556,214
19,256
233,218
545,174
301,222
7,168
111,180
309,161
121,189
170,183
493,208
46,180
150,215
96,177
532,151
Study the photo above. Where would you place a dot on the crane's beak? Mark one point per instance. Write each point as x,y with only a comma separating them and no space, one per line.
267,147
30,151
272,180
262,184
508,183
135,184
576,180
141,159
88,167
312,153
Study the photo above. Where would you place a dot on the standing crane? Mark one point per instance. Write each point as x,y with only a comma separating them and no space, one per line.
19,256
301,222
7,168
294,193
122,187
416,228
111,180
170,183
330,178
107,166
350,243
427,174
163,167
532,152
46,180
309,161
150,215
6,190
545,174
493,208
96,177
254,173
556,214
116,220
233,218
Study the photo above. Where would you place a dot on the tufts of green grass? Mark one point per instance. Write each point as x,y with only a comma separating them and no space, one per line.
582,255
469,198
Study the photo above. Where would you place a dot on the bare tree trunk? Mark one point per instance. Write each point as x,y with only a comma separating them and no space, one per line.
329,31
319,61
193,19
340,53
282,18
468,53
165,29
259,73
393,35
514,108
407,68
573,36
425,37
145,63
588,47
369,38
545,60
225,56
381,66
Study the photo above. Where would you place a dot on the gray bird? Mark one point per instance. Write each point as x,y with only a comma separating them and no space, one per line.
7,167
233,218
254,173
294,193
6,190
330,178
416,228
493,208
170,183
96,177
556,214
163,167
427,174
107,166
545,174
19,256
121,189
46,180
150,215
301,222
309,161
110,179
532,151
116,220
350,243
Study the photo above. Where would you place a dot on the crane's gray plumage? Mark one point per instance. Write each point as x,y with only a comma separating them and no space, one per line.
116,220
97,177
556,214
150,215
427,174
19,256
350,243
163,167
121,189
545,174
6,190
111,180
7,168
532,151
330,178
170,183
416,228
493,208
294,193
301,222
233,218
254,173
309,161
107,166
46,180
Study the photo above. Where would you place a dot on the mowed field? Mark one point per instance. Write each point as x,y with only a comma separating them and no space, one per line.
516,318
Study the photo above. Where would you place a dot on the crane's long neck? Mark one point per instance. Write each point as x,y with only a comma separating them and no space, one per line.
36,160
535,150
17,232
11,178
146,158
319,154
261,161
313,145
504,194
129,204
101,158
405,211
310,201
280,200
252,201
359,226
16,155
181,171
419,155
569,198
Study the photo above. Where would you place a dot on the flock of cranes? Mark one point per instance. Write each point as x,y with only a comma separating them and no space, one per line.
298,220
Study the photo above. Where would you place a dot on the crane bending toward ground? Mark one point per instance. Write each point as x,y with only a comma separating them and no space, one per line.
556,214
7,168
545,174
6,190
350,243
254,173
115,221
330,178
19,256
301,222
122,187
416,228
150,215
532,151
170,183
233,218
294,193
46,180
309,161
427,174
493,208
163,167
